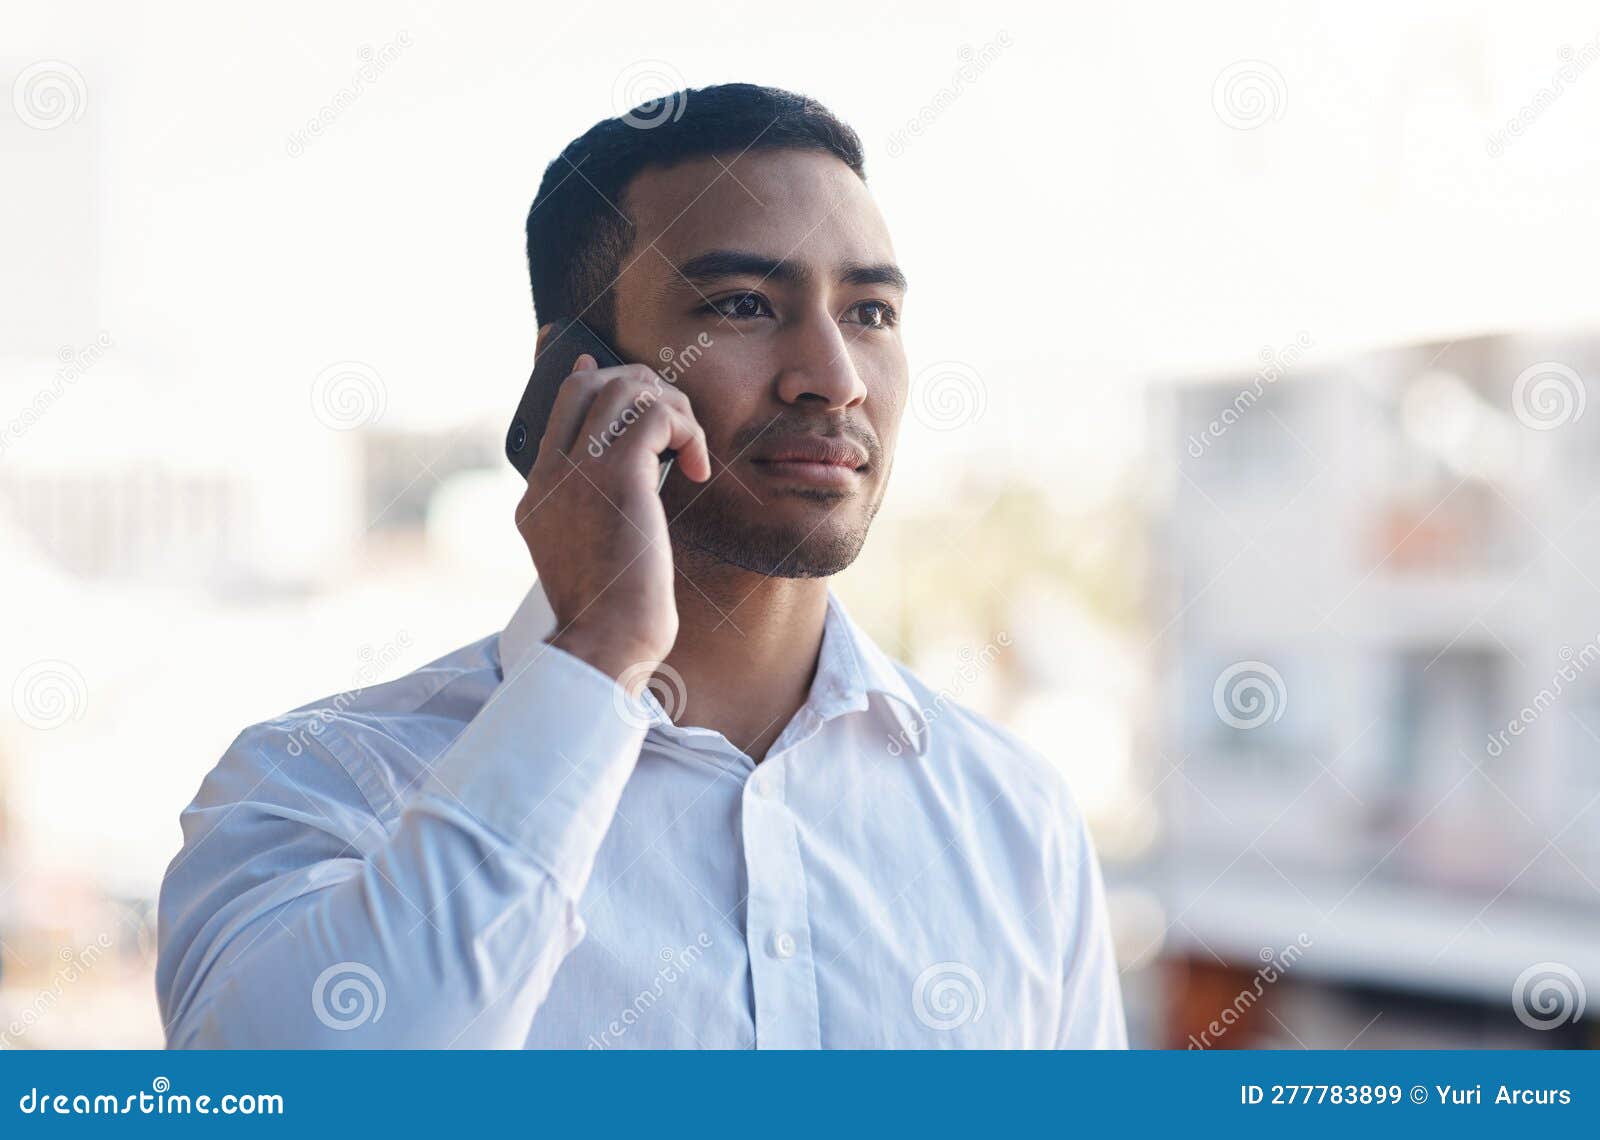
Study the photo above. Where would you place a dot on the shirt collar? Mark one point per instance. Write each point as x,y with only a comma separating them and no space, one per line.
850,669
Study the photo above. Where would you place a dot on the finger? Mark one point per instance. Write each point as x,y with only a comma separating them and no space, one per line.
663,427
624,400
694,458
571,405
648,387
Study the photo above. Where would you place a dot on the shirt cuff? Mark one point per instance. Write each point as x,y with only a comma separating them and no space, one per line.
544,762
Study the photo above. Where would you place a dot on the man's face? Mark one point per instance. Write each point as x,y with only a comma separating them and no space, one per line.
780,262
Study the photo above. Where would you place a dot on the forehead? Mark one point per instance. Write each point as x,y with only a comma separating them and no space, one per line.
805,206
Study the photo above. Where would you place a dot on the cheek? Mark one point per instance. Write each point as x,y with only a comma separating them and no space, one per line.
721,404
890,410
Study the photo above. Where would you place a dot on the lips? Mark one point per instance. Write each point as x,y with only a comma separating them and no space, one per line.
813,460
815,449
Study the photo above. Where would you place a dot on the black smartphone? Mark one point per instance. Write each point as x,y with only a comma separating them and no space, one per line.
569,340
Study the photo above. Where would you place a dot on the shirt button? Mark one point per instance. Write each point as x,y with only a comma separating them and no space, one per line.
761,788
783,944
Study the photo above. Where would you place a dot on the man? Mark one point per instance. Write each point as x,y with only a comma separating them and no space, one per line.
681,800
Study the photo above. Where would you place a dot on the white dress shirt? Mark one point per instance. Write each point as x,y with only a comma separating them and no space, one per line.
501,850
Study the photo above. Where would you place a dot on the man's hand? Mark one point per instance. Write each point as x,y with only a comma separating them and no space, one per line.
594,522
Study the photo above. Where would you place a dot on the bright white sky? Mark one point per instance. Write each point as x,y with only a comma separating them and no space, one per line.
1079,220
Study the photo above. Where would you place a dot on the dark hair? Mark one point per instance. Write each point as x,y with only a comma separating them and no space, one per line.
578,231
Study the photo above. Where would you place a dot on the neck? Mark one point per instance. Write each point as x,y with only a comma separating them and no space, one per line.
747,651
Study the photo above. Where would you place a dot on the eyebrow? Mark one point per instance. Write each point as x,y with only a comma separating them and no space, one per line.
719,263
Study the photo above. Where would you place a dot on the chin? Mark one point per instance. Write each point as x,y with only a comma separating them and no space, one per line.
776,542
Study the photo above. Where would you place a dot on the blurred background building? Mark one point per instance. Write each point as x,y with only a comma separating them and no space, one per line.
1375,584
1311,628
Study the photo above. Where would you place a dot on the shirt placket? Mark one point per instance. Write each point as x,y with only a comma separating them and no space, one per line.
777,926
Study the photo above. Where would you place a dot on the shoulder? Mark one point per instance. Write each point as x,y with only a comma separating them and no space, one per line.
996,765
372,740
981,747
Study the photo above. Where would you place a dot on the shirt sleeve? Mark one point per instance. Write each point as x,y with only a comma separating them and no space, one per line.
1092,1016
294,918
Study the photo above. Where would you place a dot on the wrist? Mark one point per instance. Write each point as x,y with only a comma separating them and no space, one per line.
628,662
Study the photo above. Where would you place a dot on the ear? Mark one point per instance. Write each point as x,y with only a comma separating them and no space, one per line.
545,332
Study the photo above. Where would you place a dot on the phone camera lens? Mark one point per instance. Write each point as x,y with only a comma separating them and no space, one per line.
518,438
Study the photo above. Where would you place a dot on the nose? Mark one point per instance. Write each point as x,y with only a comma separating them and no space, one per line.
818,371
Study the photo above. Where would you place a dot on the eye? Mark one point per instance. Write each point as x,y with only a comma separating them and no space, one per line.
740,306
875,314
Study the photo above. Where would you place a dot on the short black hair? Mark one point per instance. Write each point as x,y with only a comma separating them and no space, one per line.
578,228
